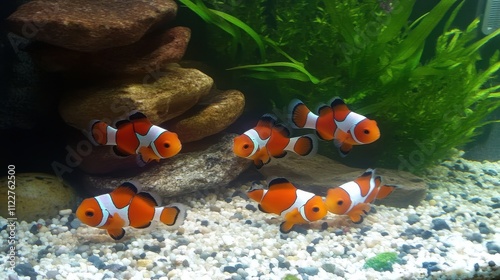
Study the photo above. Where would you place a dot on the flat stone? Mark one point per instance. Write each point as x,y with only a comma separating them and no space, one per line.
163,99
318,173
38,196
146,57
200,167
89,25
213,114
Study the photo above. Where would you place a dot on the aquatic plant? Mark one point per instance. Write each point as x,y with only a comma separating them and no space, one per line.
290,277
374,56
382,261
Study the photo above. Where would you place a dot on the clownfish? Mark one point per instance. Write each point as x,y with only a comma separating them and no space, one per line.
335,122
284,199
269,139
137,135
125,206
353,198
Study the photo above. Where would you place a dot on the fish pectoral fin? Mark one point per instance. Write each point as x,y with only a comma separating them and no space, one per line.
116,221
344,149
356,214
258,163
286,227
146,154
116,233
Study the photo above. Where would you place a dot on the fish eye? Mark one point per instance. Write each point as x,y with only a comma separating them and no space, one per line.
89,213
246,146
366,131
340,202
166,145
315,209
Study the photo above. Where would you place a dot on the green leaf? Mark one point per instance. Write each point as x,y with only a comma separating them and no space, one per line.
256,37
301,69
417,36
397,20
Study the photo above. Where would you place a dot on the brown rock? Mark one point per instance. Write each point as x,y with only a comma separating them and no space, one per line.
212,166
213,114
318,173
89,25
165,98
148,55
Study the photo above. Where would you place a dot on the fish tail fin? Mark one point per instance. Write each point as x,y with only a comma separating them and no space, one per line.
102,133
172,215
305,145
300,116
385,190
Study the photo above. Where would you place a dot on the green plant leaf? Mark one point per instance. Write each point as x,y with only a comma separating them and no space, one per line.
417,36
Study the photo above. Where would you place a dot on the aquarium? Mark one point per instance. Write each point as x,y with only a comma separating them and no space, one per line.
267,139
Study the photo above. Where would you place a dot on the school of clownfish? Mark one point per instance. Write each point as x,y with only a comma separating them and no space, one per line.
128,206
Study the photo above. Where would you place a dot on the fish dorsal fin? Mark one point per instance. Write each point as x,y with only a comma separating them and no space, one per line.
149,198
368,172
130,186
364,182
323,110
267,120
277,181
123,194
283,130
121,123
136,115
337,102
378,181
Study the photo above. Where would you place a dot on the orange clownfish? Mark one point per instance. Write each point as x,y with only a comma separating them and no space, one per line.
294,205
336,122
137,135
269,139
125,206
354,198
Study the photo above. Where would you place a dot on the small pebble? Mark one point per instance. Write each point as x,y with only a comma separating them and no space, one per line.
413,218
251,207
65,212
230,269
477,237
475,200
96,261
492,247
25,269
440,224
309,270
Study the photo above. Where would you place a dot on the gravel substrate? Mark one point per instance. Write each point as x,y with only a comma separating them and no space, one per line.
454,233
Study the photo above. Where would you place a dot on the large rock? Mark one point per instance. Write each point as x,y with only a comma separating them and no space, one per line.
148,55
212,115
319,173
89,25
166,97
206,167
37,196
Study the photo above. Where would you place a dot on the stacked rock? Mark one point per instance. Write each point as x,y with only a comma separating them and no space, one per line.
125,54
